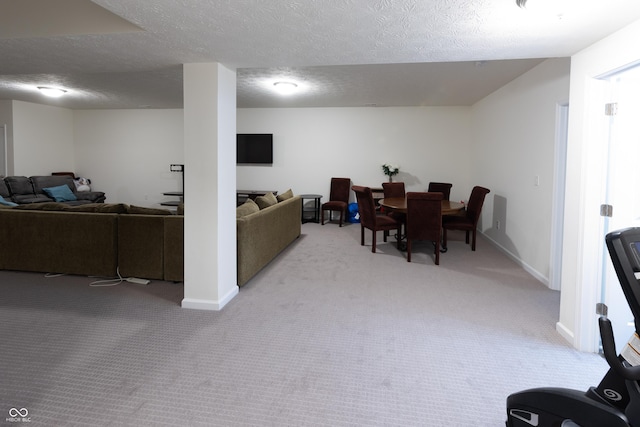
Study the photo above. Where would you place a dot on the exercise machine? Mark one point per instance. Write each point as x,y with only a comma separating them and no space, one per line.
616,400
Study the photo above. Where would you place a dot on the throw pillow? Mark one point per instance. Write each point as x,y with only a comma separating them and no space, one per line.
246,208
61,193
147,211
284,196
6,202
265,201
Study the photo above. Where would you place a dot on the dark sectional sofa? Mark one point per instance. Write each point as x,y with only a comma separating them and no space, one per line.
94,239
100,239
25,190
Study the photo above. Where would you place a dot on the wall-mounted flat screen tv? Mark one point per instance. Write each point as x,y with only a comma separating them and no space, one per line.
254,148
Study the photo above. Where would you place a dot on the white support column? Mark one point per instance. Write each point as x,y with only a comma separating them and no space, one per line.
210,274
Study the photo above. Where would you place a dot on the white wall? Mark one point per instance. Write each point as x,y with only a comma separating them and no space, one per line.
42,139
127,153
311,145
514,138
587,137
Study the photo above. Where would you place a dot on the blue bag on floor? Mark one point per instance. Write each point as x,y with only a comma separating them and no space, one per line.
352,213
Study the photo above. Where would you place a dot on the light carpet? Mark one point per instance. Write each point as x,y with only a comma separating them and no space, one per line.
328,334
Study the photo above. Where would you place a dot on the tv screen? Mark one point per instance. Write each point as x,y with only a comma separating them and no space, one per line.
254,148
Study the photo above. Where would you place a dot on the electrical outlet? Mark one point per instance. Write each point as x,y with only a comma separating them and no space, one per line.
498,225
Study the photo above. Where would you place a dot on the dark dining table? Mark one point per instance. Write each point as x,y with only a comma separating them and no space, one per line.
399,204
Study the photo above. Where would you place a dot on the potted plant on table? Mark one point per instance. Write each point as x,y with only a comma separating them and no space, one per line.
390,170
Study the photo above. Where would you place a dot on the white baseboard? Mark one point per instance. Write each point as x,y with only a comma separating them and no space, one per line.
535,273
565,333
201,304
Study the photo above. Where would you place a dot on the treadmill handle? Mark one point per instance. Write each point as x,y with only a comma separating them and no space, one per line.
610,353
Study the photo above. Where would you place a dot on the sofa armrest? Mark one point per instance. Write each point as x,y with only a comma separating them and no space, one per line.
174,248
261,236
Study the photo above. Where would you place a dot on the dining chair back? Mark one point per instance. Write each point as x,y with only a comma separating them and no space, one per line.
368,217
424,220
441,187
393,189
467,222
338,199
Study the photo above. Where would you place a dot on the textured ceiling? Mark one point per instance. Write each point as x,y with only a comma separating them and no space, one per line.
340,52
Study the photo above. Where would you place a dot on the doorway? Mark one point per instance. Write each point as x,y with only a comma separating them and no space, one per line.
620,191
560,175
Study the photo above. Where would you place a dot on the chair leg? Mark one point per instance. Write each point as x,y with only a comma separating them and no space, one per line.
473,241
466,238
322,216
373,246
408,250
437,242
361,235
341,216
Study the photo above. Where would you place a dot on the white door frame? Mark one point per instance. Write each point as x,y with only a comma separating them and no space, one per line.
559,183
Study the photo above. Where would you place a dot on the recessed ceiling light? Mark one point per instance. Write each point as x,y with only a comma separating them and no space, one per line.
285,88
51,91
556,8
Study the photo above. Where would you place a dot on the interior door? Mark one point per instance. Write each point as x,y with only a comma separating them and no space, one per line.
622,189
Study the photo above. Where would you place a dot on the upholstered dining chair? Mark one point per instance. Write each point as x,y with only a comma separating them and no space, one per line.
338,199
424,220
369,219
468,221
394,189
441,187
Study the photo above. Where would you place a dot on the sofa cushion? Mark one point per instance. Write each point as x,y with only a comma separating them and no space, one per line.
40,182
5,202
284,196
247,208
60,193
147,211
22,191
4,190
267,200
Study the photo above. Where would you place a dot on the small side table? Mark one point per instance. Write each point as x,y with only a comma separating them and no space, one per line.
315,209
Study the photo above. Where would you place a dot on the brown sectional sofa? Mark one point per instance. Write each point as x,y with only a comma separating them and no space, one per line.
110,239
262,235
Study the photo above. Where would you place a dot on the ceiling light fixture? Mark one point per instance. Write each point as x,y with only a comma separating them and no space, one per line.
555,8
285,88
51,91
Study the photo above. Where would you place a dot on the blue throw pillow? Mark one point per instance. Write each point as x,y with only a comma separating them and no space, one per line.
6,202
61,193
